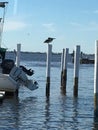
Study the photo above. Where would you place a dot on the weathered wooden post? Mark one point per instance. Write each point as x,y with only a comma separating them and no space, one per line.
18,61
18,55
96,83
64,76
62,65
49,52
76,69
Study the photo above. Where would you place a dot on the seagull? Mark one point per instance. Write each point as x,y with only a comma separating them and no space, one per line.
49,40
2,4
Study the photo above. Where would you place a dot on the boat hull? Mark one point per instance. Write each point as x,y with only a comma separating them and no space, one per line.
7,84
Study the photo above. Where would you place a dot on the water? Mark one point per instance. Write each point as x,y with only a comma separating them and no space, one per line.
33,111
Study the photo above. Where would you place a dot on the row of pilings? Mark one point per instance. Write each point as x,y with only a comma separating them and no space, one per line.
64,61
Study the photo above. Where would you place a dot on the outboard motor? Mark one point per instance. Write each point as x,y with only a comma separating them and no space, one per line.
21,78
29,72
7,65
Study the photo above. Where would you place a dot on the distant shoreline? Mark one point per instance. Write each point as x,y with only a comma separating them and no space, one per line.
52,52
56,57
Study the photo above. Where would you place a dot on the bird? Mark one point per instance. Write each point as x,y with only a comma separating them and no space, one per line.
2,4
49,40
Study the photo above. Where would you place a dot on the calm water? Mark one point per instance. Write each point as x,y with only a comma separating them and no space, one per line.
33,111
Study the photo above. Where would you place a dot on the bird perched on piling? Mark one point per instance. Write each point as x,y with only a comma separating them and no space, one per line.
49,40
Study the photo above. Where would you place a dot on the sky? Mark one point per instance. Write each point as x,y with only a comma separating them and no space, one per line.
31,22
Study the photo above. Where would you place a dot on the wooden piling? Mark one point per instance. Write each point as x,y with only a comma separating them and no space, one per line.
62,66
18,55
18,61
64,76
96,83
76,69
49,52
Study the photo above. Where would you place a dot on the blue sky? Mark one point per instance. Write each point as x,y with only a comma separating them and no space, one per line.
71,22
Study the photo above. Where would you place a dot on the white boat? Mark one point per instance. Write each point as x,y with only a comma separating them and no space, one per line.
15,79
11,76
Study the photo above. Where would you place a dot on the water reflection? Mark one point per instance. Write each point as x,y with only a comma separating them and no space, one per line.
47,113
95,119
30,112
95,126
69,108
75,114
63,109
15,113
9,113
63,90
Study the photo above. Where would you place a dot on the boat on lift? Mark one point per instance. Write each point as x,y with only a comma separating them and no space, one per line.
11,76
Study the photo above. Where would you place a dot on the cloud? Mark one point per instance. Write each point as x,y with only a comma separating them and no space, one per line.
90,12
95,11
14,25
91,26
49,27
75,24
